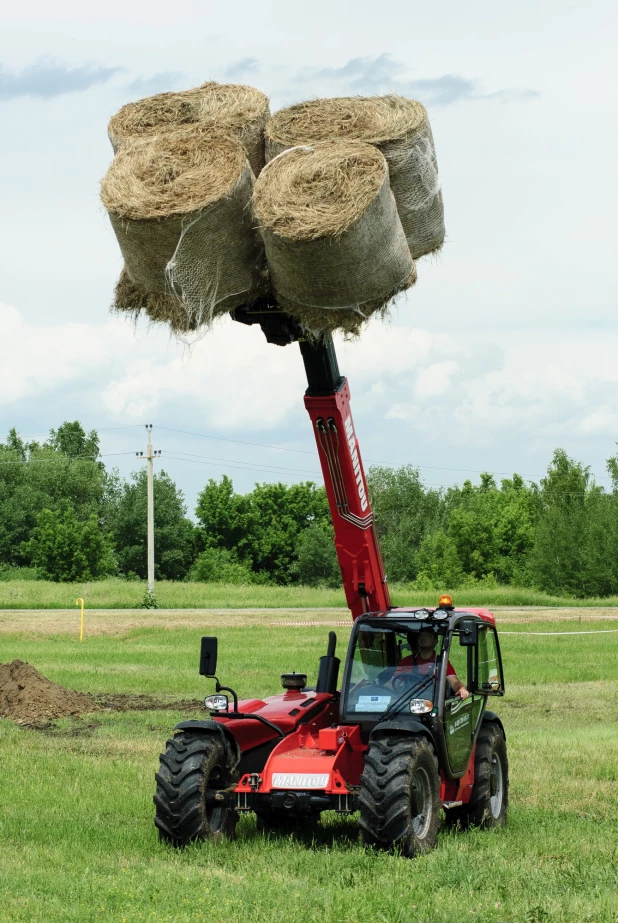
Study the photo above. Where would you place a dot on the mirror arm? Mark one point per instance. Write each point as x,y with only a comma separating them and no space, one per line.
220,688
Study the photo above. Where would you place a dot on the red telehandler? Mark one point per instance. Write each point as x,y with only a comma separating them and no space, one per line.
399,741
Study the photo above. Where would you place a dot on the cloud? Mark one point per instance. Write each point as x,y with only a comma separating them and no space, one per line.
418,387
383,73
244,66
48,79
435,380
43,359
157,83
127,374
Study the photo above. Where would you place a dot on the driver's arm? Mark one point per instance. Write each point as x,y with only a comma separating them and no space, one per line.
457,686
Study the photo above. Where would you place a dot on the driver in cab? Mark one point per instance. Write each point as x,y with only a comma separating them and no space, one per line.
422,662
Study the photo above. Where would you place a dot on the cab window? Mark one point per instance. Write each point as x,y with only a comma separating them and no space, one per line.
458,659
489,680
385,665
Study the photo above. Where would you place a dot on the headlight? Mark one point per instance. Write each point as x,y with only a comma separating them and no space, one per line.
216,702
441,614
421,614
420,706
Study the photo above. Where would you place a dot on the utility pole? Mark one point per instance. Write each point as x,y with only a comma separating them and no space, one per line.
150,456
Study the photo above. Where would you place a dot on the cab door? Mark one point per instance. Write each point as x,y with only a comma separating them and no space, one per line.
461,716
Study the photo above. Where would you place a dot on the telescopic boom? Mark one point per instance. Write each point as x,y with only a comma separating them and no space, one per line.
327,400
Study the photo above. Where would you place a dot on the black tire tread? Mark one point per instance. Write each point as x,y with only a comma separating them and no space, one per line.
184,772
385,804
476,813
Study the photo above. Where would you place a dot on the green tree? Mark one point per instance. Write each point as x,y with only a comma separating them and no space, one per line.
438,562
261,527
71,440
575,544
225,517
493,527
279,514
316,559
405,512
63,548
35,477
174,534
218,565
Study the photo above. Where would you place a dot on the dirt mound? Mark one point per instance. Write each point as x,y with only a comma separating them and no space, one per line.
29,698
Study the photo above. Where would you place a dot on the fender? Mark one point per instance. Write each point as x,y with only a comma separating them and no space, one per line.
210,725
492,716
403,725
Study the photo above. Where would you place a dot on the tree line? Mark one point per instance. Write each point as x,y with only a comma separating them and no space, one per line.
65,517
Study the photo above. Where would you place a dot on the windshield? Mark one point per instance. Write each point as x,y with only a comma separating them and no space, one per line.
390,663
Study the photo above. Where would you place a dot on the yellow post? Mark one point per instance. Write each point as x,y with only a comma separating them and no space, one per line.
81,621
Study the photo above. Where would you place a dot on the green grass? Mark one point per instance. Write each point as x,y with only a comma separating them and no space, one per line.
78,842
123,594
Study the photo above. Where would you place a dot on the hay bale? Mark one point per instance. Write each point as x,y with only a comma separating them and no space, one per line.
180,207
335,246
400,129
132,299
228,108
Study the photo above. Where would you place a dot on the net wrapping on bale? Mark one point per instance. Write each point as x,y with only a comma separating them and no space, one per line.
334,243
180,205
400,129
228,108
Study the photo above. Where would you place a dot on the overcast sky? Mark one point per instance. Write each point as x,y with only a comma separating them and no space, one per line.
505,349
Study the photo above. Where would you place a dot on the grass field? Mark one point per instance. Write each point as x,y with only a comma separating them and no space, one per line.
78,842
126,594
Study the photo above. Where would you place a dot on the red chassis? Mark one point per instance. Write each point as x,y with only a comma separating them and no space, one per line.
315,755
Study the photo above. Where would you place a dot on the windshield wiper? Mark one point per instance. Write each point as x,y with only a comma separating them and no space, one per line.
407,696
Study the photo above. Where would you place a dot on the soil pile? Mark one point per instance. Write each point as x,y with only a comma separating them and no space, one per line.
29,698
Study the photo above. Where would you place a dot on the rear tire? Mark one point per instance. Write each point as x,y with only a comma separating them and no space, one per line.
400,795
488,803
191,765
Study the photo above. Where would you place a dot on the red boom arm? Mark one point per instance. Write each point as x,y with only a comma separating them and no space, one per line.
328,402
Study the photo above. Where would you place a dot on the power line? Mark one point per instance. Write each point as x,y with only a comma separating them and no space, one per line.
235,461
260,445
373,461
47,461
280,448
241,467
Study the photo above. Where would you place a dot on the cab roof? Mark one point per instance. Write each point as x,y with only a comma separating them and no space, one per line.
485,614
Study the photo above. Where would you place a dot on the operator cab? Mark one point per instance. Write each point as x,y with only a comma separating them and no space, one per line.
401,663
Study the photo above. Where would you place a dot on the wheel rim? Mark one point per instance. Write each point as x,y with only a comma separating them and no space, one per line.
496,786
421,802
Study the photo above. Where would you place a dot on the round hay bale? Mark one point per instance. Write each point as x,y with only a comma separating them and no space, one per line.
130,298
228,108
180,205
400,129
335,246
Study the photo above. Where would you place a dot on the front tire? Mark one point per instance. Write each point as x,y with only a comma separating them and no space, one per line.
400,795
488,803
192,765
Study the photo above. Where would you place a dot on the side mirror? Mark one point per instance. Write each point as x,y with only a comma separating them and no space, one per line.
208,657
469,632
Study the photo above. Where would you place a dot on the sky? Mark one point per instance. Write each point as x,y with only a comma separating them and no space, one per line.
504,350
